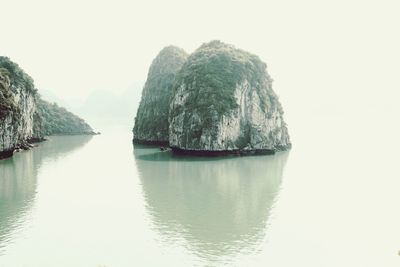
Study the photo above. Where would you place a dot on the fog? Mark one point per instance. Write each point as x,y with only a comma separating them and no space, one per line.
335,62
316,49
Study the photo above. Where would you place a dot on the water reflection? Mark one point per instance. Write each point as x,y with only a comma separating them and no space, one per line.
220,207
18,181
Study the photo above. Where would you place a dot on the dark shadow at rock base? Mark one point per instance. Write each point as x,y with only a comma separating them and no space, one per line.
150,142
210,153
6,154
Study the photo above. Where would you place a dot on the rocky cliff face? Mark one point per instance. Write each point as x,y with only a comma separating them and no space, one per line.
17,107
24,117
151,122
223,102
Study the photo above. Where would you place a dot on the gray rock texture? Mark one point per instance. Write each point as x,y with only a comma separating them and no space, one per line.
17,106
223,102
151,121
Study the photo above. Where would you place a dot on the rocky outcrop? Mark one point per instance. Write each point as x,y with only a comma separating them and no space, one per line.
24,117
17,108
151,121
223,102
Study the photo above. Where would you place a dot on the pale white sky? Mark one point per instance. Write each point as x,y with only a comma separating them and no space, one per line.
315,49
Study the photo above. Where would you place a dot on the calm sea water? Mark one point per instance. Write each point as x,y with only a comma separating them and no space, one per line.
99,201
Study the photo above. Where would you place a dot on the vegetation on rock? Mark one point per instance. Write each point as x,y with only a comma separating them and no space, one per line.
11,78
57,120
18,78
212,73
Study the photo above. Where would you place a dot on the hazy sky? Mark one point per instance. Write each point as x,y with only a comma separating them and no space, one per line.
314,49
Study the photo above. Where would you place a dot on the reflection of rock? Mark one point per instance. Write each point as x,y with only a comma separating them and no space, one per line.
18,180
219,206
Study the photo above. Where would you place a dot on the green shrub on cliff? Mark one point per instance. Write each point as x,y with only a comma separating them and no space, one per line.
11,78
7,102
17,76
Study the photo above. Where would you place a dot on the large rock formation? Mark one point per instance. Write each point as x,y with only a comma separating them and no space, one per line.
24,117
151,121
223,102
17,107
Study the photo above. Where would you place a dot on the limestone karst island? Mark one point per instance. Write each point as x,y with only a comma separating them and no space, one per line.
218,100
24,117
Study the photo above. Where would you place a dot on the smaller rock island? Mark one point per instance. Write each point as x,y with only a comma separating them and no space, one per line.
151,122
